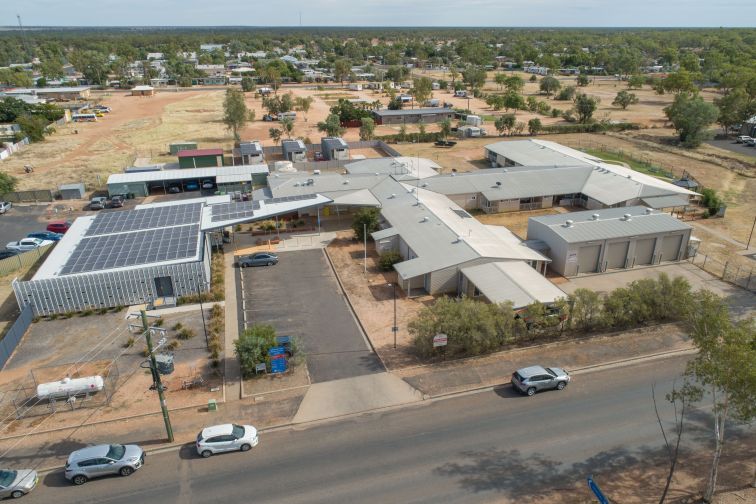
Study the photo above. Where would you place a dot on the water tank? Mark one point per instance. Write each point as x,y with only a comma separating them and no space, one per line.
284,166
68,387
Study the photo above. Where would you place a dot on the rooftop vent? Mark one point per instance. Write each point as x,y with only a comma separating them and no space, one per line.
459,239
424,219
310,181
630,177
649,211
498,185
424,184
627,217
316,172
296,184
346,182
595,216
393,195
569,223
453,174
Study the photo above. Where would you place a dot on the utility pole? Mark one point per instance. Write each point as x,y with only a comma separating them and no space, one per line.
23,38
751,235
202,310
156,376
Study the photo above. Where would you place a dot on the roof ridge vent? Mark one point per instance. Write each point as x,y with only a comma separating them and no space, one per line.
568,223
424,219
627,217
595,216
649,211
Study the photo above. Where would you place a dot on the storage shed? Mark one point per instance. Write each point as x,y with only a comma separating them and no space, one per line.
200,158
294,151
72,191
610,239
412,116
334,148
249,153
143,91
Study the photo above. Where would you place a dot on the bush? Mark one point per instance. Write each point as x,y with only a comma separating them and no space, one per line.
158,322
177,326
268,225
129,342
252,347
366,219
216,311
86,313
555,112
173,345
185,334
566,93
589,128
388,259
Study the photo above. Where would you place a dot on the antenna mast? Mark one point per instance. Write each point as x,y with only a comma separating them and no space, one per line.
23,37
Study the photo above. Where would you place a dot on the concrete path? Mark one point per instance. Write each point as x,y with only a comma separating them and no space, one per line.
354,395
232,369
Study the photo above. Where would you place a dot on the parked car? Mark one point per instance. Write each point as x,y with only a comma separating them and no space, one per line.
191,186
258,259
743,139
98,203
207,184
102,108
59,226
5,254
174,189
268,118
101,460
319,156
533,379
45,235
116,202
751,142
18,483
5,206
25,244
226,437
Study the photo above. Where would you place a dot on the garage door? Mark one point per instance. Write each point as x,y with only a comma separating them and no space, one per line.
644,251
616,255
671,247
588,258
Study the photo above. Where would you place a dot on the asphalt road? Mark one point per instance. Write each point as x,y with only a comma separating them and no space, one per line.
732,145
481,447
19,221
300,297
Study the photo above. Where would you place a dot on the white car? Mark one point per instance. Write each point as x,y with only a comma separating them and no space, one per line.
16,484
26,244
751,142
5,206
743,139
226,437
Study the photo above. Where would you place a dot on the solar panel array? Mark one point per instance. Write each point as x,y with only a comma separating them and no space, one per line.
462,213
285,199
236,210
131,249
148,218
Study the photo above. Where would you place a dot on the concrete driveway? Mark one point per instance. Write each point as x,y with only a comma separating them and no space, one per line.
301,297
740,300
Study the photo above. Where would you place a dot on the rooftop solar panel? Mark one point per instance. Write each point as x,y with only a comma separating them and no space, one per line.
147,218
235,210
130,249
285,199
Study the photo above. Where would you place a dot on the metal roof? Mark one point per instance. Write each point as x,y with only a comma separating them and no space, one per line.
610,224
666,201
293,146
534,153
186,173
512,281
417,111
200,152
401,167
250,148
334,142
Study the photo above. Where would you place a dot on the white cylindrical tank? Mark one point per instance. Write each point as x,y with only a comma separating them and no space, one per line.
284,166
69,387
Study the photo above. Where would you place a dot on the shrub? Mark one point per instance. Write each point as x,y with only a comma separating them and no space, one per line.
566,93
388,259
173,345
177,326
86,313
555,112
185,334
129,342
216,311
365,219
158,322
268,225
252,347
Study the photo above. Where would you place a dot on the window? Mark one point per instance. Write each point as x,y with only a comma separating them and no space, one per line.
115,452
237,431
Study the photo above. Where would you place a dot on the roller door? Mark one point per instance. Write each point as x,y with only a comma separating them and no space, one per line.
671,247
644,251
588,258
616,255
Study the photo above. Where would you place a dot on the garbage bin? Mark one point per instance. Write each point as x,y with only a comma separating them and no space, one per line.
212,405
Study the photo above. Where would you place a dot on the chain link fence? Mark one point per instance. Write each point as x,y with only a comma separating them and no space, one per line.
731,273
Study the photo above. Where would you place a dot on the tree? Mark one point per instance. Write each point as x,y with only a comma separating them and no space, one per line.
533,78
733,108
534,126
474,76
496,102
367,128
287,126
395,103
15,77
635,81
549,84
679,82
34,127
252,347
690,115
505,123
235,112
723,367
673,452
446,126
583,80
624,99
532,103
341,70
422,90
454,74
331,126
585,106
275,135
51,68
514,83
567,93
366,219
500,79
7,183
513,100
92,64
247,84
303,104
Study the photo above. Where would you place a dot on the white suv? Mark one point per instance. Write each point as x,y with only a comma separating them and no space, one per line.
226,437
5,206
743,139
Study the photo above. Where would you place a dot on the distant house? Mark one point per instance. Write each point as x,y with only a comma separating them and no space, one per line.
155,56
412,116
210,47
249,153
200,158
294,151
211,70
143,91
334,148
209,81
53,93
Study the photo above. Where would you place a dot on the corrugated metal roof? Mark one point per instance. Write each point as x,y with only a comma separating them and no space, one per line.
512,281
417,111
610,224
186,173
666,201
361,197
532,153
200,152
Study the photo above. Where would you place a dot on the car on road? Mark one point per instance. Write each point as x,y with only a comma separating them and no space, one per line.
59,226
101,460
116,202
17,483
258,259
5,254
743,139
533,379
45,235
98,203
26,244
751,142
5,206
226,437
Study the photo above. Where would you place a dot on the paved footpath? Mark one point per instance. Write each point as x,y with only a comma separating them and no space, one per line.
46,450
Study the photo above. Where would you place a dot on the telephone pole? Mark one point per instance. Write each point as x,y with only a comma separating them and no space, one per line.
156,376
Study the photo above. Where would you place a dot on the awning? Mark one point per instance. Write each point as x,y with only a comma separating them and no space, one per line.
670,201
512,281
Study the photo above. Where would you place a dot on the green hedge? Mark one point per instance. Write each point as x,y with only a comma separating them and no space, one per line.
589,128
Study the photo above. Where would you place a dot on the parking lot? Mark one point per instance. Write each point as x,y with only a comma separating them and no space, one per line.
732,145
300,297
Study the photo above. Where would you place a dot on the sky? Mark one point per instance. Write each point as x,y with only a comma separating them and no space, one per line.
497,13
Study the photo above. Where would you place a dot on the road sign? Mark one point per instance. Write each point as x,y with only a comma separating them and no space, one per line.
278,364
597,491
440,340
278,350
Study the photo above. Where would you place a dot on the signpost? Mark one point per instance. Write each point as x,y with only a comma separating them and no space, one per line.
278,362
440,340
597,491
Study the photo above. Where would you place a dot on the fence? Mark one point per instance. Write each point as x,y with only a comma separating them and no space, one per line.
16,262
31,196
10,148
14,335
737,275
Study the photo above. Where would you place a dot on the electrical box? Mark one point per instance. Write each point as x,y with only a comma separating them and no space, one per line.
164,363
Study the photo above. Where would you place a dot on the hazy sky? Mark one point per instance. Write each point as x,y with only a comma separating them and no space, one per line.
380,12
